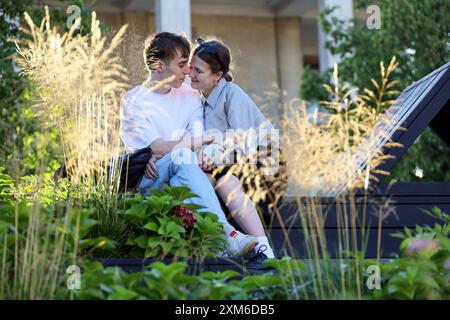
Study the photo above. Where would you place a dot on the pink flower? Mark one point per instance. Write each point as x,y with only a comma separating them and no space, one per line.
418,245
189,218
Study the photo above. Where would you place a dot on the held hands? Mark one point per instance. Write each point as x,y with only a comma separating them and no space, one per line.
151,171
205,163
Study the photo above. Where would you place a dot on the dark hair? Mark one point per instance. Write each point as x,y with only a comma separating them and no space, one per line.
164,46
216,55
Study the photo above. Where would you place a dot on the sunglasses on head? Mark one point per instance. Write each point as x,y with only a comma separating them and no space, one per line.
209,48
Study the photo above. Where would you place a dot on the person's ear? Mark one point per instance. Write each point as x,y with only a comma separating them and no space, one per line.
159,66
217,76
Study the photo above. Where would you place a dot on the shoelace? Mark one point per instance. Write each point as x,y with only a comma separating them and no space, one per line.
263,250
260,251
223,253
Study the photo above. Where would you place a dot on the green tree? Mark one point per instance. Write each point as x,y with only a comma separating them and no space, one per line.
417,33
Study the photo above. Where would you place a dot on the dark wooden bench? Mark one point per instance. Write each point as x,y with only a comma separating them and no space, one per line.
406,199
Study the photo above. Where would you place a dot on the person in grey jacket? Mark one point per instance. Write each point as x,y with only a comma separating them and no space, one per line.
229,110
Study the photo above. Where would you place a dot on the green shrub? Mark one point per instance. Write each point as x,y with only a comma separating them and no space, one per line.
157,281
312,81
423,269
171,281
157,232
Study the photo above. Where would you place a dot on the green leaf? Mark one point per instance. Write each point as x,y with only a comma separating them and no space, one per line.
174,229
120,293
193,206
137,210
142,241
180,193
286,264
153,242
131,240
151,252
90,293
152,226
160,205
181,252
166,246
224,275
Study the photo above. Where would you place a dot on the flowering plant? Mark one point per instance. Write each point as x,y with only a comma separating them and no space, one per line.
189,218
423,269
164,225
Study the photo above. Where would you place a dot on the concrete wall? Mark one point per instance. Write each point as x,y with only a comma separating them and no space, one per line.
290,57
252,44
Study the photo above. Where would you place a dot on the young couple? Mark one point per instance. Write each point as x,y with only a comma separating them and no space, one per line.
171,118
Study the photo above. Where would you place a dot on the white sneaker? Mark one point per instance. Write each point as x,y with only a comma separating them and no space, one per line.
239,244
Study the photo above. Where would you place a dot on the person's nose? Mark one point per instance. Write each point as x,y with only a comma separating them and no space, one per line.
191,73
186,70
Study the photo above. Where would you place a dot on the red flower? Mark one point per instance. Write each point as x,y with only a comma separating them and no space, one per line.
189,218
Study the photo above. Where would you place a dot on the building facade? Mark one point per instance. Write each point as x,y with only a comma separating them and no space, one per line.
271,40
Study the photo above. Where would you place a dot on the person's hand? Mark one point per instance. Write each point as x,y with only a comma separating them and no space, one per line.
196,143
205,139
151,171
206,164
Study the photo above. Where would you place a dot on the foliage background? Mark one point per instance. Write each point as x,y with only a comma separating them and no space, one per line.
417,33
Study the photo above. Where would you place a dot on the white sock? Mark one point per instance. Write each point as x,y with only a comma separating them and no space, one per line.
263,241
228,229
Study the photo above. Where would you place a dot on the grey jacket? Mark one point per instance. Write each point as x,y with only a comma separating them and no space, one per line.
226,108
229,107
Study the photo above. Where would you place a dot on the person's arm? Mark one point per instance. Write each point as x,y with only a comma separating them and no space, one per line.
162,147
242,112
